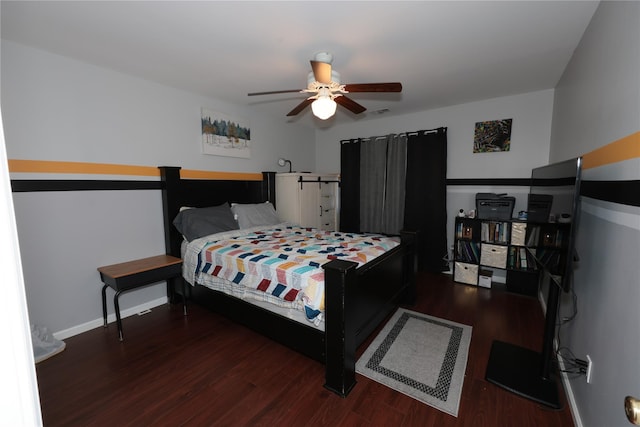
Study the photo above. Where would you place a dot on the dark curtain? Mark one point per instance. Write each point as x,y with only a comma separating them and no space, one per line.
373,175
426,196
350,186
382,181
424,188
394,190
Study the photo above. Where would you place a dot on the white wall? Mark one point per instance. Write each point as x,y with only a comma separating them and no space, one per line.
531,114
530,135
65,236
598,98
598,102
56,108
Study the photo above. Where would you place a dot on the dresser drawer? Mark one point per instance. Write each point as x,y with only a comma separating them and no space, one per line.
465,273
493,256
327,224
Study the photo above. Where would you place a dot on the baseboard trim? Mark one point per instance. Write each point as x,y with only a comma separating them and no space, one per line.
573,407
111,317
566,382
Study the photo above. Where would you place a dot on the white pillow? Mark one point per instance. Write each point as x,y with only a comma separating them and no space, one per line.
254,214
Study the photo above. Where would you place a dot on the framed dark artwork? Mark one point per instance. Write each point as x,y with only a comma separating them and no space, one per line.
492,136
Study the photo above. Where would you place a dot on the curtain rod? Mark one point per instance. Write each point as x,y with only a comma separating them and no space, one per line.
343,141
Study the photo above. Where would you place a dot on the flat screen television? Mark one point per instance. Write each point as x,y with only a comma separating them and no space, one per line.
555,190
554,196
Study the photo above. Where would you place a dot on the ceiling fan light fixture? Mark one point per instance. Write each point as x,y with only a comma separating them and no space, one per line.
324,107
324,86
335,79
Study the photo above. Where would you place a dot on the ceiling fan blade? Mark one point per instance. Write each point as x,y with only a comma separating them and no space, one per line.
374,87
349,104
321,71
273,92
300,107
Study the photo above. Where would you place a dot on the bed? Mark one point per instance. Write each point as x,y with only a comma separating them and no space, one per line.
357,298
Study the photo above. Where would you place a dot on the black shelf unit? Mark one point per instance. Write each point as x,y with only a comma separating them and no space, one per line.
481,244
515,246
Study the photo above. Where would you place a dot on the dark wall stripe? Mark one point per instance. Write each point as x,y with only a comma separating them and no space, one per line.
27,185
518,182
30,185
623,192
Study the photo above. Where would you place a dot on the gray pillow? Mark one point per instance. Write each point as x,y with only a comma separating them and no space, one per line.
198,222
255,214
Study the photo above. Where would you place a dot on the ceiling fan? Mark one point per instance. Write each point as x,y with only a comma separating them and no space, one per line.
324,83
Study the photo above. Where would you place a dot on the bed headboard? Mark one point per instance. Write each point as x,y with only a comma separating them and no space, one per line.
177,192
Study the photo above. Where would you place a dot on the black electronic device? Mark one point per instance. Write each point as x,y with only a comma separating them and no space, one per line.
539,207
559,184
494,206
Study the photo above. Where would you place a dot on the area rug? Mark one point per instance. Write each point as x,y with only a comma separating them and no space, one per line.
421,356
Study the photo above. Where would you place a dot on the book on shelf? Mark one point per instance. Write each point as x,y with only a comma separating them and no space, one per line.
503,237
495,232
523,258
534,236
470,253
550,258
475,249
467,252
512,262
464,231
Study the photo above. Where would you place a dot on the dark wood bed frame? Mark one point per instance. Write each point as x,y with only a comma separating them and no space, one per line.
357,300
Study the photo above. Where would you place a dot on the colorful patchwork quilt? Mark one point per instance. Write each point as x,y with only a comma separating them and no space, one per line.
286,261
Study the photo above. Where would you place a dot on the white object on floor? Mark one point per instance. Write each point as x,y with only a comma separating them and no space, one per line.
44,343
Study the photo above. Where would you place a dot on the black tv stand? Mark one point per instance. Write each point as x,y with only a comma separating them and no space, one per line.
526,372
517,369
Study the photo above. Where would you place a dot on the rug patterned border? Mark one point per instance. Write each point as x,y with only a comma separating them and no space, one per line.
442,390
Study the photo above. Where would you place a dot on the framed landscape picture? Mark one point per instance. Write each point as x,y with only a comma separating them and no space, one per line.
225,136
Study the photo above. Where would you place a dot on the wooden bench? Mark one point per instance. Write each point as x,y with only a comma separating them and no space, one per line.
135,274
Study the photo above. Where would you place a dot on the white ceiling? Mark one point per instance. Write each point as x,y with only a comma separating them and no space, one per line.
443,52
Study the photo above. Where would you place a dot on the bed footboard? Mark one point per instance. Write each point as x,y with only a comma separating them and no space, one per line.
357,300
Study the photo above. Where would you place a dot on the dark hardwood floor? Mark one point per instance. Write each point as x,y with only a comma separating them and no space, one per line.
203,370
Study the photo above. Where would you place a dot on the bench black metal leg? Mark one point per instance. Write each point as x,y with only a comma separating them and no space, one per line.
118,319
104,305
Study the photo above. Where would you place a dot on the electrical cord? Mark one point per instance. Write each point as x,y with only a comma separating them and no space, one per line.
573,366
574,300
